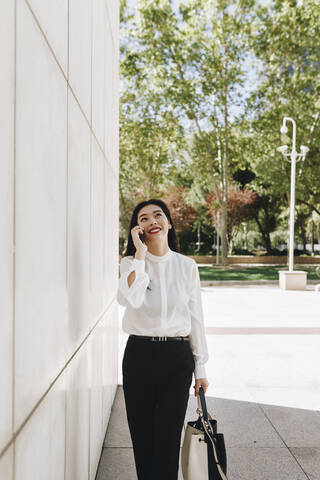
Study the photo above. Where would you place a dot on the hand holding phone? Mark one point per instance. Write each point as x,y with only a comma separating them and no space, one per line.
138,237
142,237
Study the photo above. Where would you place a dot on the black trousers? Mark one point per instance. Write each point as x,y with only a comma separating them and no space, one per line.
157,377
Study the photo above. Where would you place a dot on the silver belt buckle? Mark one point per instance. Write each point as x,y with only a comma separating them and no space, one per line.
161,339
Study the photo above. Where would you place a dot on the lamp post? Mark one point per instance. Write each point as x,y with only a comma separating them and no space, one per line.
293,156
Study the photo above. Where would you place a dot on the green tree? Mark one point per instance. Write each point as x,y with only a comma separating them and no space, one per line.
285,40
190,62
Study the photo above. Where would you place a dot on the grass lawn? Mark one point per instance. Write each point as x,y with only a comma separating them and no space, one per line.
267,272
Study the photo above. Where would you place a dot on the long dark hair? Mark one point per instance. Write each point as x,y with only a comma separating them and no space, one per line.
172,236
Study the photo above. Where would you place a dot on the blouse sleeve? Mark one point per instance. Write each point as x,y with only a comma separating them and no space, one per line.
197,335
132,296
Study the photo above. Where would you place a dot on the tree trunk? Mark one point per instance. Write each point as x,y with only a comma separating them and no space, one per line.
304,238
312,238
268,245
230,246
224,244
265,236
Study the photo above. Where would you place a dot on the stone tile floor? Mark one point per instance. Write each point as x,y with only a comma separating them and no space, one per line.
264,385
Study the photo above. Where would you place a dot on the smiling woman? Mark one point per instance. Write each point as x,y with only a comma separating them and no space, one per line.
152,220
166,343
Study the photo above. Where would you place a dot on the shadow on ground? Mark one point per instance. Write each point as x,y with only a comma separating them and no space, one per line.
264,442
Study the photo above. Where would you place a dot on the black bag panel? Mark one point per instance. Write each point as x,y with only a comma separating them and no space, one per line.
217,439
213,470
221,451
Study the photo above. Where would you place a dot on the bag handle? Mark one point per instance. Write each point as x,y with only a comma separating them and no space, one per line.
202,410
212,452
202,403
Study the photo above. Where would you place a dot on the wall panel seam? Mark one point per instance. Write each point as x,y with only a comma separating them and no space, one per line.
43,396
13,366
110,26
70,87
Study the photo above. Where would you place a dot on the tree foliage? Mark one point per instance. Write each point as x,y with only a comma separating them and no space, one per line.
205,85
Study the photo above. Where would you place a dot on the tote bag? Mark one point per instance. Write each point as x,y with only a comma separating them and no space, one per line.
203,452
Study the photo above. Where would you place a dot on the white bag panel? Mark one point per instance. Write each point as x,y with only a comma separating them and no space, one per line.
194,456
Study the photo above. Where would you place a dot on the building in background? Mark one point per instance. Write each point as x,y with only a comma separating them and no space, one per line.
58,235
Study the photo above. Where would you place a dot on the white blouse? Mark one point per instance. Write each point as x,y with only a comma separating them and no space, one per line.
164,300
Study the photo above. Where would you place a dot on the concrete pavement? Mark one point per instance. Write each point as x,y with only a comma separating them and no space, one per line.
264,385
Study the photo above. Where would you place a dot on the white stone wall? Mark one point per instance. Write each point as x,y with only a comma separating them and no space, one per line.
58,235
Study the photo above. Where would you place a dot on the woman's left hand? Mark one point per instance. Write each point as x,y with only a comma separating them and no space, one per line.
200,382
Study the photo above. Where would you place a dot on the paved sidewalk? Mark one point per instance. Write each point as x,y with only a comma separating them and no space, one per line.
264,385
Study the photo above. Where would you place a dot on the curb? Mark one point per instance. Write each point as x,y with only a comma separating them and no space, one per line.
214,283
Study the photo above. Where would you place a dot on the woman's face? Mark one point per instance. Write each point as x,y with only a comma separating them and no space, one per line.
154,222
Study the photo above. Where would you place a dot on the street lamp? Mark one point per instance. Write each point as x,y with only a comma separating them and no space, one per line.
293,156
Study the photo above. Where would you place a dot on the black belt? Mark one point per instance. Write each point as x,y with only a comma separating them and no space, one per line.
158,339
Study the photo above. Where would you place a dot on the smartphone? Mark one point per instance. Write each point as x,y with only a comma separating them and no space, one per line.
142,237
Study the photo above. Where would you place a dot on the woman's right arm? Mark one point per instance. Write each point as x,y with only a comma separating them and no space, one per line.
131,278
141,249
131,294
132,275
